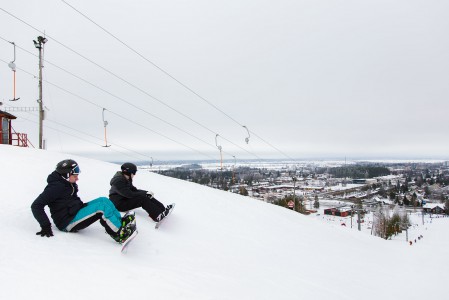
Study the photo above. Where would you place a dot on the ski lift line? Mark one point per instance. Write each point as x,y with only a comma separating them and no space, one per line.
151,62
272,146
120,116
165,72
171,76
160,134
127,82
126,120
112,73
121,99
182,130
129,120
89,135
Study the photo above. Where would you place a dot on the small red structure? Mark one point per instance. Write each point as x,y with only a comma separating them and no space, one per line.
338,211
7,134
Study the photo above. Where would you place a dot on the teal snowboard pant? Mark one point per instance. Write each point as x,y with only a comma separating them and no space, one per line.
98,209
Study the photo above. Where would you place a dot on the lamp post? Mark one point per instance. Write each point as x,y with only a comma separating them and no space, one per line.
40,45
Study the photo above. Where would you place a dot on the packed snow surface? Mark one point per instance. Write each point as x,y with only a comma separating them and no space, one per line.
215,245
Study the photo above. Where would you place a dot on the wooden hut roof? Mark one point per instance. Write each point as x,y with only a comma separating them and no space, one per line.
7,115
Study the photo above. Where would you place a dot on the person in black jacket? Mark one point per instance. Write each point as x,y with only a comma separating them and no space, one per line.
69,213
126,196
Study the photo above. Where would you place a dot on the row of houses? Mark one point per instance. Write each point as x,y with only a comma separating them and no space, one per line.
345,211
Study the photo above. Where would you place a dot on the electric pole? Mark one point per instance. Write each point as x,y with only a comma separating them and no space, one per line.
40,45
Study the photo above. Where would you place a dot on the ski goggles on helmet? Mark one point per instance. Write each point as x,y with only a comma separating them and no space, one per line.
75,171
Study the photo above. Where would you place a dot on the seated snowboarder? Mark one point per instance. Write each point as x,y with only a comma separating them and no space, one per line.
70,214
126,196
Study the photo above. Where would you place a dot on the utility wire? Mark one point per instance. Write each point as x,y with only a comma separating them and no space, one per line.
84,133
85,140
172,77
127,82
119,98
116,114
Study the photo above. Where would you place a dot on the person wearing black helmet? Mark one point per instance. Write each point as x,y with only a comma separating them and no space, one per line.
126,196
70,214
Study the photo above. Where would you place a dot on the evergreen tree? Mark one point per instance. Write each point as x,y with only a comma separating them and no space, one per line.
413,202
406,201
316,204
404,187
382,192
419,181
392,195
427,191
243,191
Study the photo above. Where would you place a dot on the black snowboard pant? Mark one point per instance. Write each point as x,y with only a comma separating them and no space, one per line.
90,220
151,205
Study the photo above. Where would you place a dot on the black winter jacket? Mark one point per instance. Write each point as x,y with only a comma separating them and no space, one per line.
122,189
62,199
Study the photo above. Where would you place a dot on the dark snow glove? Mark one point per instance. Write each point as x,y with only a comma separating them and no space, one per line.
150,194
45,231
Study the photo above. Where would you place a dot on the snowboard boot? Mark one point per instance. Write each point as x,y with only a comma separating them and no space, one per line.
165,213
125,233
129,218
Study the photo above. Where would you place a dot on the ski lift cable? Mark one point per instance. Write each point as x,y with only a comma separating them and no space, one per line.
120,116
86,134
119,98
129,120
124,80
127,102
172,77
149,61
113,74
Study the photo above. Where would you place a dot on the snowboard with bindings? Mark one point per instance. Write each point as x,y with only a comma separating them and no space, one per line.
129,221
125,245
163,220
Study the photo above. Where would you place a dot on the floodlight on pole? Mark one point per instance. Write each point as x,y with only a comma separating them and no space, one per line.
39,44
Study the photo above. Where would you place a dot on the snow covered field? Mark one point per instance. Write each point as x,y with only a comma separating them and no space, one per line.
216,245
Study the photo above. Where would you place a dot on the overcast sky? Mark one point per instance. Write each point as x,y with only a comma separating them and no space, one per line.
309,79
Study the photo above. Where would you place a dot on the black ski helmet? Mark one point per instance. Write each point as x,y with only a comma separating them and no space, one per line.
129,168
68,167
